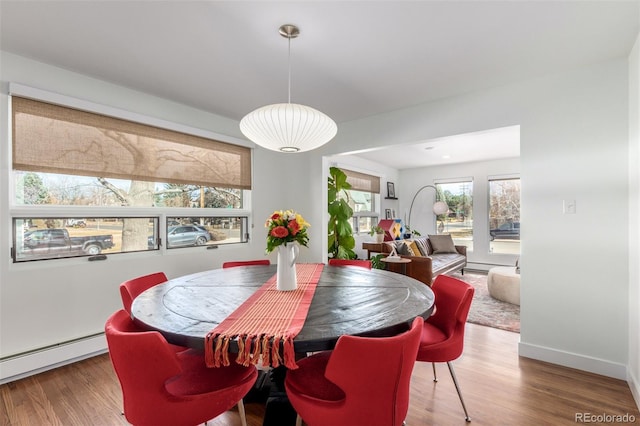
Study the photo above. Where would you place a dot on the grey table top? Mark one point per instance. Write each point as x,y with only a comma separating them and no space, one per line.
347,300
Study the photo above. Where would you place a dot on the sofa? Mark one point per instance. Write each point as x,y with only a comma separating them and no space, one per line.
430,256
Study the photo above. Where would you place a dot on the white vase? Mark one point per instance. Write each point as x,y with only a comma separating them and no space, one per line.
379,238
286,276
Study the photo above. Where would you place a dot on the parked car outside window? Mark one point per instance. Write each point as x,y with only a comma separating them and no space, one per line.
509,230
185,235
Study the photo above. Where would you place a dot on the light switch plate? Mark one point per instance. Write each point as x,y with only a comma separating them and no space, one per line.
569,206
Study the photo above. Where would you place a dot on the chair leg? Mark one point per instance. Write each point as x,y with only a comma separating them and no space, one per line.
433,365
298,420
243,415
455,382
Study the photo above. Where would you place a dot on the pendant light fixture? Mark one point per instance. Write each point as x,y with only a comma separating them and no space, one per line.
288,127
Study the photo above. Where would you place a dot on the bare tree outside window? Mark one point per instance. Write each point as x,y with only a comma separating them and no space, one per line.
504,215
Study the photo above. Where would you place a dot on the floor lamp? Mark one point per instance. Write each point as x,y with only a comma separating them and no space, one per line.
439,207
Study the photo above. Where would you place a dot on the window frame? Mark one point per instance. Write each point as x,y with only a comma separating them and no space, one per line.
162,213
440,193
491,240
365,183
23,256
373,214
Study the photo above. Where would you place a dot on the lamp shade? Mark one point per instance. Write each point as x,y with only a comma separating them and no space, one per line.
440,207
288,127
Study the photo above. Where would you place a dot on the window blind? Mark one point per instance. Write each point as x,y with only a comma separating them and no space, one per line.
363,181
55,139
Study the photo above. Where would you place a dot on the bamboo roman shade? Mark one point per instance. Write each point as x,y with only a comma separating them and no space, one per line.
55,139
363,182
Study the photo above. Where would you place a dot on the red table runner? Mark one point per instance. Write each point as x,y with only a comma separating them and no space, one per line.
266,320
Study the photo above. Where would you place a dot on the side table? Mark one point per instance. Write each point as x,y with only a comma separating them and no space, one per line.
401,260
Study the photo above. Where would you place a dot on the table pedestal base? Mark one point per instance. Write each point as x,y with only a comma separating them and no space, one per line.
269,389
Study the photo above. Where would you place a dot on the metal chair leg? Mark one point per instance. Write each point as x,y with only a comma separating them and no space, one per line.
433,365
455,382
243,415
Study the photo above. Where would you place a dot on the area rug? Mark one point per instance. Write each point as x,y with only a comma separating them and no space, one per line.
487,311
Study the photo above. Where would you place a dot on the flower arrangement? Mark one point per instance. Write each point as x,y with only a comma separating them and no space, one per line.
286,226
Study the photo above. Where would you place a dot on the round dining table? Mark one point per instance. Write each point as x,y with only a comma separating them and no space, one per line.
348,300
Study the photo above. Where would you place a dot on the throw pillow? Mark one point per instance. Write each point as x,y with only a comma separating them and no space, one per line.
403,248
423,245
413,248
442,244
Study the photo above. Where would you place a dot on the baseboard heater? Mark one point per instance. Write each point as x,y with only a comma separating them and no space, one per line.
26,364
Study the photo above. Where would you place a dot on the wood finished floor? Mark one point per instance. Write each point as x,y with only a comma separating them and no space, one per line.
499,388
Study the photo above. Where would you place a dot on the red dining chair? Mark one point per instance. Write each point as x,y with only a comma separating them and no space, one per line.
264,262
160,388
363,381
130,289
350,262
443,333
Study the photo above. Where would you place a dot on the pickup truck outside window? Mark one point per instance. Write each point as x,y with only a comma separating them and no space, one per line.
55,238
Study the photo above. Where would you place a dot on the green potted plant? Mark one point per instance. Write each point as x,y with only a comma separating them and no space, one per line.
408,232
376,263
378,232
341,242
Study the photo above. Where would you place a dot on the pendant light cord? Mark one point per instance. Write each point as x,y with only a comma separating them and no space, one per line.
289,59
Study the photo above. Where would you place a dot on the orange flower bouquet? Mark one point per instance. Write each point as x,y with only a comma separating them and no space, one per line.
286,226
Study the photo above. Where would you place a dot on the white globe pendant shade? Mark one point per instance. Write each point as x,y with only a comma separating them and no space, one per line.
288,127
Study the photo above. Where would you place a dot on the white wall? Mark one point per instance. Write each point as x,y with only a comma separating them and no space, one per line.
634,221
574,146
422,217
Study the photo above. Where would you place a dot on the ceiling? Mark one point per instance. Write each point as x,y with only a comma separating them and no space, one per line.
353,59
478,146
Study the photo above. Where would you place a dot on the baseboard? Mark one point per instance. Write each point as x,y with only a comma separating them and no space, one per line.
28,364
473,266
475,271
634,385
571,360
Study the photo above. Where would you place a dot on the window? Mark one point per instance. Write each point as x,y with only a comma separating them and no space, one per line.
459,220
35,188
504,215
39,238
141,174
200,231
364,199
